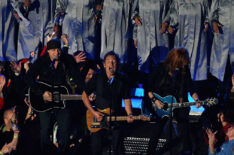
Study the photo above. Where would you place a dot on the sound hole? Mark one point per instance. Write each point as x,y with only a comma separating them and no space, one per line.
165,107
56,97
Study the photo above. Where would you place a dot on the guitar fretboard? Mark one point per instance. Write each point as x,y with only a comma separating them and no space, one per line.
185,104
71,97
122,118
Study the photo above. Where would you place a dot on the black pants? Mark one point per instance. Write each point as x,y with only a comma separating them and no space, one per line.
62,117
175,131
103,139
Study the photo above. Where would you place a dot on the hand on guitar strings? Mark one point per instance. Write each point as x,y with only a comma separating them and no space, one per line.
98,115
47,96
130,118
159,104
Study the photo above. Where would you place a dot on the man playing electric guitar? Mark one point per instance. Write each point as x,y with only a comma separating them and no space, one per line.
172,77
110,88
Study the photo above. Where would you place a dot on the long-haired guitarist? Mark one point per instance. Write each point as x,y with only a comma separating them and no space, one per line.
110,88
55,68
172,78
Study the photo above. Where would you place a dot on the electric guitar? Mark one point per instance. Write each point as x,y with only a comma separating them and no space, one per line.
60,94
168,100
94,126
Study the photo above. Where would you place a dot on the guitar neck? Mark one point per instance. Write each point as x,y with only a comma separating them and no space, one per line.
122,118
186,104
71,97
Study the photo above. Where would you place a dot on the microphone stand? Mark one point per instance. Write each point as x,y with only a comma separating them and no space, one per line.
110,121
170,126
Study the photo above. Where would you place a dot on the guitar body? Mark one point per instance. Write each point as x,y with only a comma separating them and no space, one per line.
92,124
95,126
167,100
39,105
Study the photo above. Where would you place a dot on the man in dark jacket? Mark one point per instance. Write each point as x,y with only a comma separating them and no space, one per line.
54,68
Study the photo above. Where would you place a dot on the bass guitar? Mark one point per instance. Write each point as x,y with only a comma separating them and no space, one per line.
94,126
60,94
169,101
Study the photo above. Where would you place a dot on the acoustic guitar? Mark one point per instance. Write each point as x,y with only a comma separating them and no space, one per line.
60,94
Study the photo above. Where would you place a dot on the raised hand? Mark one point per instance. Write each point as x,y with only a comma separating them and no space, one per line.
163,28
64,39
81,57
211,136
16,68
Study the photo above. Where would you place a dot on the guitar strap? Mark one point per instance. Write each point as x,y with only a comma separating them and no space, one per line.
162,81
67,77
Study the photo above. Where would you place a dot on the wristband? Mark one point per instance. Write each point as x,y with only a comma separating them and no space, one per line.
130,115
153,99
1,153
15,137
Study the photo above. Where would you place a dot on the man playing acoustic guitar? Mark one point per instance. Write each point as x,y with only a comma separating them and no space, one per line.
54,68
173,78
110,88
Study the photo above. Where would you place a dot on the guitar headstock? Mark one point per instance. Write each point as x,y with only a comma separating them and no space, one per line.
145,118
211,101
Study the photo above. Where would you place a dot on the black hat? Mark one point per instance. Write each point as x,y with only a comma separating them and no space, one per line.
53,44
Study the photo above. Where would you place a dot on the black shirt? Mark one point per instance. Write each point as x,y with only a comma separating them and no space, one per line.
43,68
109,93
177,85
